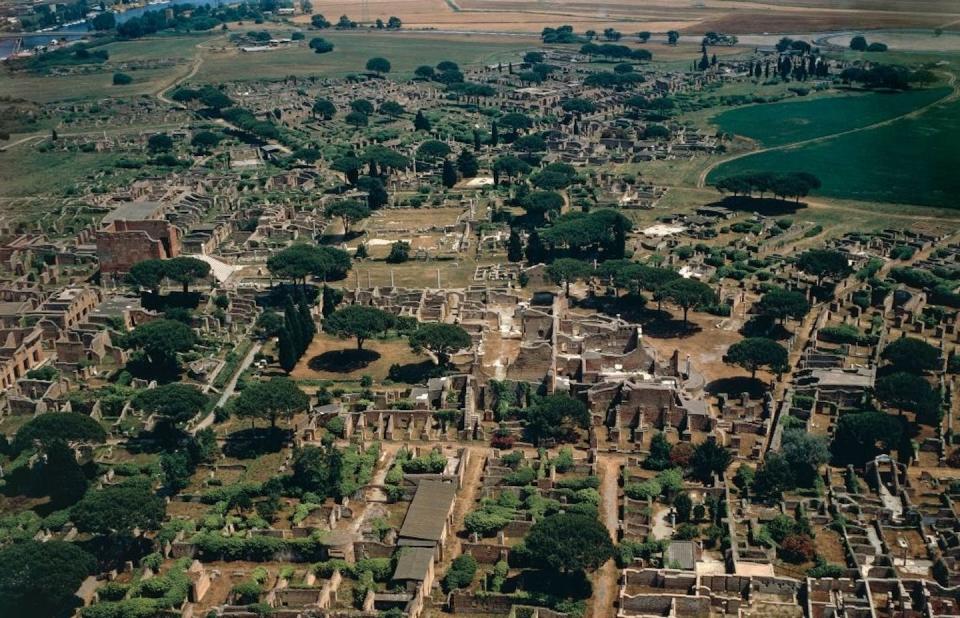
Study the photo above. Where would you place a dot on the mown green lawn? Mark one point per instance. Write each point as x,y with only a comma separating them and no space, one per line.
910,161
775,124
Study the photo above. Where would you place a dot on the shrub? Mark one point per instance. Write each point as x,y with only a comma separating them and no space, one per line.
246,592
797,548
121,79
461,573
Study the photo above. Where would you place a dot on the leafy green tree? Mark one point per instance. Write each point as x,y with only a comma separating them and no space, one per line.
161,340
823,263
177,470
349,166
159,142
61,477
780,304
121,79
861,436
205,141
672,37
858,43
568,542
324,108
378,65
461,573
185,270
805,453
432,150
147,274
565,271
271,400
912,355
753,353
421,122
509,166
556,417
683,506
45,429
104,21
357,119
774,476
540,204
530,144
320,45
364,106
709,459
441,339
659,457
349,211
516,122
297,262
392,108
467,164
40,579
688,293
908,391
359,321
399,252
175,403
119,509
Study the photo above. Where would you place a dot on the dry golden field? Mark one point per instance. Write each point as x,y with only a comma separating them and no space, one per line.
658,16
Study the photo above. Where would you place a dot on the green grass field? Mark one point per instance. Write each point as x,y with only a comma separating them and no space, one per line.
776,124
404,51
910,161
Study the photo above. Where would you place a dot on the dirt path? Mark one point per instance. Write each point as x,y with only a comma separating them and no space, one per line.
465,503
953,94
195,66
602,603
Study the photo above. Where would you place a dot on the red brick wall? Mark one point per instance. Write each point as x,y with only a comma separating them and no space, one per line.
124,243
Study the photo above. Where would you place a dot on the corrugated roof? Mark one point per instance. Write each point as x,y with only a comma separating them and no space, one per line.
427,514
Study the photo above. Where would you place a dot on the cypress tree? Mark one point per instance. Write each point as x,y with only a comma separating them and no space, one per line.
286,352
307,324
291,322
535,248
449,174
514,246
420,122
494,134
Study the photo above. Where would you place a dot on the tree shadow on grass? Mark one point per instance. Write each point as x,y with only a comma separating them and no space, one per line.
769,206
669,328
763,326
732,387
414,373
628,306
343,361
573,585
256,441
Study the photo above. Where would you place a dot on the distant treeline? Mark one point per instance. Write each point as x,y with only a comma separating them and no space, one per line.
188,18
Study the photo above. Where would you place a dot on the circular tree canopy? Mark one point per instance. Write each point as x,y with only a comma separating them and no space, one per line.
280,397
54,426
40,579
568,542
